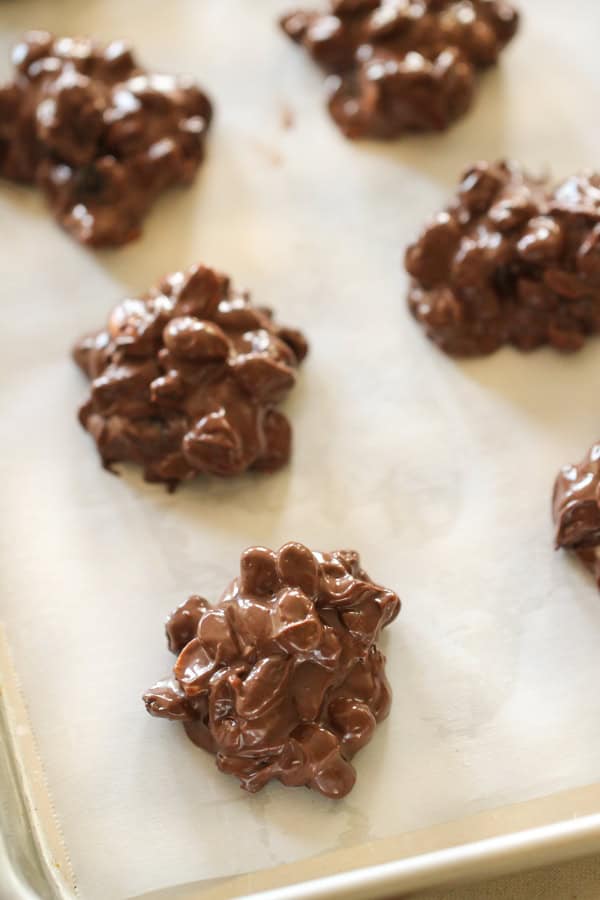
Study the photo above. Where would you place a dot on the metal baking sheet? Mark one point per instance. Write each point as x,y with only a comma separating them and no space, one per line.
439,472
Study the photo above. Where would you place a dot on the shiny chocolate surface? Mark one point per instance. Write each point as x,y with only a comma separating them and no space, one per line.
100,135
186,380
282,679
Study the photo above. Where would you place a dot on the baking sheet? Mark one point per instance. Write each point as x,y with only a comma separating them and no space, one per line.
33,859
438,472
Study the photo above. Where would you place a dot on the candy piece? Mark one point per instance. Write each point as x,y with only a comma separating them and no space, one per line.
282,678
509,261
402,65
186,394
100,135
576,510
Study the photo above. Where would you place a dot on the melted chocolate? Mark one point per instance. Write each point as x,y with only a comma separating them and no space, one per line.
510,261
100,135
576,509
282,678
402,65
186,380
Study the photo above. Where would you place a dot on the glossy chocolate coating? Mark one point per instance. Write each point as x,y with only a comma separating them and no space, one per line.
100,135
186,380
510,261
402,65
576,509
282,678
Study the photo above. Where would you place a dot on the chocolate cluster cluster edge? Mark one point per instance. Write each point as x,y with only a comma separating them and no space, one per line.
282,679
510,260
100,135
398,66
186,380
576,510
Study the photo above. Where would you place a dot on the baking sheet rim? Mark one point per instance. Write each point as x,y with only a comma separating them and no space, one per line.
42,819
525,835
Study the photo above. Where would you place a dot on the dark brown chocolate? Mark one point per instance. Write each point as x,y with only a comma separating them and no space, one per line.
100,135
186,380
576,510
510,261
402,65
282,678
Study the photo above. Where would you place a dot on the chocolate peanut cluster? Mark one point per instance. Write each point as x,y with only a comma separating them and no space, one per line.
100,135
186,380
510,261
402,65
576,510
282,679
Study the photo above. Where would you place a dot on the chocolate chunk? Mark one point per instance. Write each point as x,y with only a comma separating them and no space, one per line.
185,380
183,623
576,509
100,135
509,261
402,65
282,679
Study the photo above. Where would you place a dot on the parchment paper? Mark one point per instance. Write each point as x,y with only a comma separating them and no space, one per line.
439,472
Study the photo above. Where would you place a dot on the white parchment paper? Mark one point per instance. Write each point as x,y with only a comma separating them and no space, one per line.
439,472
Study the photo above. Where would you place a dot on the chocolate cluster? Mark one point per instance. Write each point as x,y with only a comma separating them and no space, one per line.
282,679
186,380
576,510
510,261
100,135
402,65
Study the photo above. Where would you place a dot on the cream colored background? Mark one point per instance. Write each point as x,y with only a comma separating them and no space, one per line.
439,472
